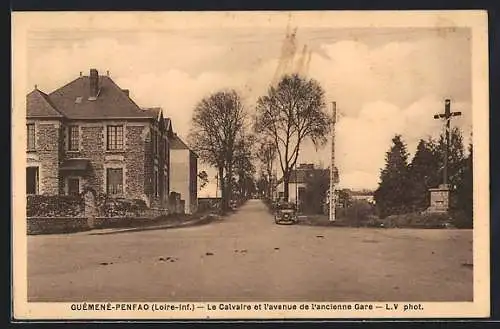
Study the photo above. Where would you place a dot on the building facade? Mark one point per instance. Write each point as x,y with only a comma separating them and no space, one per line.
183,173
90,133
298,183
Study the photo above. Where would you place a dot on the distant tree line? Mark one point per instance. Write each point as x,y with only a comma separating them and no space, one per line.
404,185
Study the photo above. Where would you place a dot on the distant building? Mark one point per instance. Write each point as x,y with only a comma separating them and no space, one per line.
184,173
362,195
297,183
91,133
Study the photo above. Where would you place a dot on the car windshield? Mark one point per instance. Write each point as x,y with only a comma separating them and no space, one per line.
284,206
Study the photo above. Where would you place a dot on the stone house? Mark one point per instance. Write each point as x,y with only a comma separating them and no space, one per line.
91,133
183,173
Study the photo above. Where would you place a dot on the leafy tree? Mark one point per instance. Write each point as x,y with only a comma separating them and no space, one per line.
456,156
202,179
392,194
266,154
423,174
217,123
344,198
291,112
463,196
244,169
262,184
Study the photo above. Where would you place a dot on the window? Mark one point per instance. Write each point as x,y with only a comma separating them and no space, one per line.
73,138
115,138
114,181
31,136
32,180
73,186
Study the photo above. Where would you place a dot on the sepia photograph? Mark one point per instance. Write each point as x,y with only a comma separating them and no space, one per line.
250,164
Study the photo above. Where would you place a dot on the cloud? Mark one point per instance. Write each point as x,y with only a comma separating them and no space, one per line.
362,140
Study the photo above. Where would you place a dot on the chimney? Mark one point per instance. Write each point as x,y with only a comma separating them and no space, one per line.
94,84
126,92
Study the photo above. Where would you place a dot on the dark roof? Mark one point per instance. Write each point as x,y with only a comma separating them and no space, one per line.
154,111
168,123
111,103
75,164
300,176
38,105
177,143
168,127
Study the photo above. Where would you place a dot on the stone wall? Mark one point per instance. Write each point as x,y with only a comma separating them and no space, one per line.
134,160
56,225
156,162
130,159
120,222
92,147
47,149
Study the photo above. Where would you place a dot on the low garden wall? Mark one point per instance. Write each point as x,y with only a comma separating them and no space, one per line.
47,214
55,225
120,222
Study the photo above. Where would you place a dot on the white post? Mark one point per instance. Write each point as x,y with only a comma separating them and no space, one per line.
332,196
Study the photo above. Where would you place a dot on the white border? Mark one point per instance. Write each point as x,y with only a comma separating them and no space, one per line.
22,22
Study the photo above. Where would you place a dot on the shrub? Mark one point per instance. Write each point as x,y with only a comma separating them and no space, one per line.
461,220
54,206
418,220
120,207
359,213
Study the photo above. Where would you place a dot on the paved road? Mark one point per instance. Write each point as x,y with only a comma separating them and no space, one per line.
246,257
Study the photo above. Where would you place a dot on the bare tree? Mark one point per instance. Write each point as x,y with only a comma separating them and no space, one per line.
267,155
290,113
244,167
217,122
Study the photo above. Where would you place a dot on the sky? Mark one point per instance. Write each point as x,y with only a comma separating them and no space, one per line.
385,81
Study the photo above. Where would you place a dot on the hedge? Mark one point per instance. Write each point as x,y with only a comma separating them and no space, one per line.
119,207
54,206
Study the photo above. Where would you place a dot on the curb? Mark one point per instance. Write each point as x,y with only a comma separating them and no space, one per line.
199,221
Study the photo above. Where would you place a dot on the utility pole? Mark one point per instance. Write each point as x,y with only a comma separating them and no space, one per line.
332,195
446,116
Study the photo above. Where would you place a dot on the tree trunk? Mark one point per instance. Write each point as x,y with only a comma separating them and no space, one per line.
269,191
286,181
228,188
222,189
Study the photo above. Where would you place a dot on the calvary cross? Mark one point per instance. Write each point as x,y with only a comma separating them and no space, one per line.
446,116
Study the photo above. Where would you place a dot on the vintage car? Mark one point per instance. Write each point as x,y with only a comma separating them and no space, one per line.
286,213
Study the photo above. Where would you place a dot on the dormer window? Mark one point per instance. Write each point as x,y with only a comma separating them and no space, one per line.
73,138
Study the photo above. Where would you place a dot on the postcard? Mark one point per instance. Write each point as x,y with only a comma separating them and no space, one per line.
250,165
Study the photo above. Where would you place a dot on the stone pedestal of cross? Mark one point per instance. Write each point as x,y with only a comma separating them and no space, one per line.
440,196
